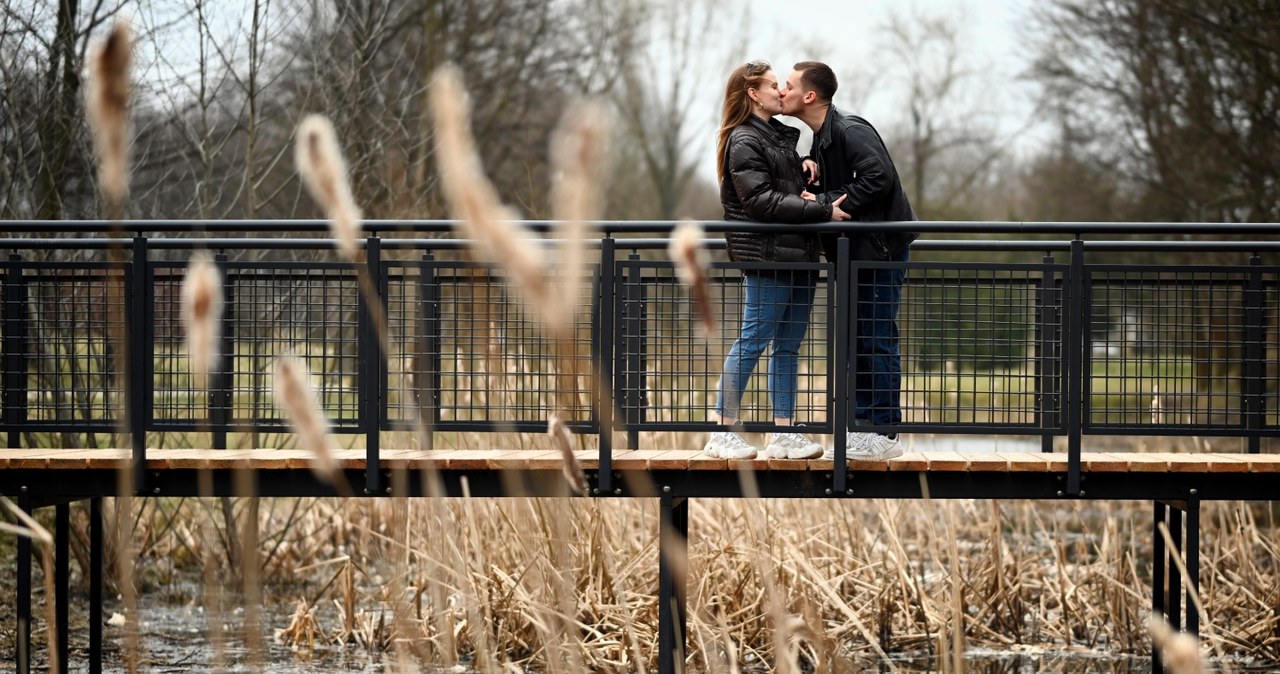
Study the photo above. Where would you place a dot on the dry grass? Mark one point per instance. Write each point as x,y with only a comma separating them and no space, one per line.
569,585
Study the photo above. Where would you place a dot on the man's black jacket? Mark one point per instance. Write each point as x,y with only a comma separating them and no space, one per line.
853,161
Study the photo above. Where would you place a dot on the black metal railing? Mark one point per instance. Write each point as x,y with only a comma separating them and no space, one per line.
1055,338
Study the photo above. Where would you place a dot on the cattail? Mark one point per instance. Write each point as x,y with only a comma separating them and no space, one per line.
107,108
578,151
324,172
1180,651
294,396
202,315
690,257
563,439
473,202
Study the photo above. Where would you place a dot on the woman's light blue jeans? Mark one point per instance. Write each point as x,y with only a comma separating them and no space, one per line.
777,310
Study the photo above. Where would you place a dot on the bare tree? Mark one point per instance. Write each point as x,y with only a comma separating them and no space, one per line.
952,133
1187,95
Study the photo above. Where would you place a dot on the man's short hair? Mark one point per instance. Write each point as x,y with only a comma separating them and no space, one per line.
818,77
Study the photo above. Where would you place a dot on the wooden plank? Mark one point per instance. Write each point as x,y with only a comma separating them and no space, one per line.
1025,462
1103,462
788,464
989,462
910,461
701,461
1187,463
1144,462
673,459
1262,463
1226,463
947,462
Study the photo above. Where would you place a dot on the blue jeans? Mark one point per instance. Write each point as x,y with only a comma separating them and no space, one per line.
777,310
877,364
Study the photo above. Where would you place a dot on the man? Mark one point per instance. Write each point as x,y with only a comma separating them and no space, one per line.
852,162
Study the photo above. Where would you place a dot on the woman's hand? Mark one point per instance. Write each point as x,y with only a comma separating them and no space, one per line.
808,196
837,213
810,169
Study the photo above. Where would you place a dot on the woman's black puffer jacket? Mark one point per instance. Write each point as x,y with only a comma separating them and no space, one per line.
762,183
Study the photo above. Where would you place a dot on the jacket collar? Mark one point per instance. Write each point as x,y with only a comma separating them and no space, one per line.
823,137
776,131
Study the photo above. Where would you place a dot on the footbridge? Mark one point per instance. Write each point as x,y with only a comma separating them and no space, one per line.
1131,361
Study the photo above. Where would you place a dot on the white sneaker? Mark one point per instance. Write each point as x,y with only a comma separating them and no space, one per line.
726,445
792,446
859,445
877,448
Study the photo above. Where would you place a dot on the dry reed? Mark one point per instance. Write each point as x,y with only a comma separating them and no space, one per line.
323,170
202,315
690,256
32,530
107,107
294,395
491,228
562,438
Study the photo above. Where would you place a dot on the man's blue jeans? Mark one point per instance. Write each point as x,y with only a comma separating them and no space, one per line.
878,365
777,310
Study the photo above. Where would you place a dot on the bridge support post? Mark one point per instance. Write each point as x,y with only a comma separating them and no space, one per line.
95,585
22,637
62,581
673,559
1182,518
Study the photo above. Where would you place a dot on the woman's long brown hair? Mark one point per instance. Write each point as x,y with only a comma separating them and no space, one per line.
737,105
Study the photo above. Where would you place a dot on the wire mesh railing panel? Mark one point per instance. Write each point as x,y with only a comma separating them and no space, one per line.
177,399
495,363
1269,369
73,312
1165,347
668,372
980,345
310,311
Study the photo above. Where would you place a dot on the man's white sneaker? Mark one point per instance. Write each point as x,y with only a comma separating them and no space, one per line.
858,445
877,448
727,445
792,446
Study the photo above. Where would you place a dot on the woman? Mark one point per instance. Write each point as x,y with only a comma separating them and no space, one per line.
761,181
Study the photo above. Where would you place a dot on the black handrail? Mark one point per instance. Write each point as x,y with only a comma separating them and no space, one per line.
1066,314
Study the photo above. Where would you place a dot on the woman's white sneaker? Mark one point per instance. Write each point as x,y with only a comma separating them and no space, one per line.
726,445
792,446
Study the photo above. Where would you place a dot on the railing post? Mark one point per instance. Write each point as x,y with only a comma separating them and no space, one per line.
1191,554
1252,367
14,337
606,340
1048,362
845,288
138,338
221,380
673,554
426,363
633,357
1073,353
371,368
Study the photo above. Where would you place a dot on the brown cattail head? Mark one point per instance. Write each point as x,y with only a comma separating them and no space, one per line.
107,107
294,396
690,257
473,203
562,437
202,315
578,152
323,170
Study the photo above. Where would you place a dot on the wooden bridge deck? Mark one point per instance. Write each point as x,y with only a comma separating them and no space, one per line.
638,460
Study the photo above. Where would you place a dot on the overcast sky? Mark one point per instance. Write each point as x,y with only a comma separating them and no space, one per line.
848,35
